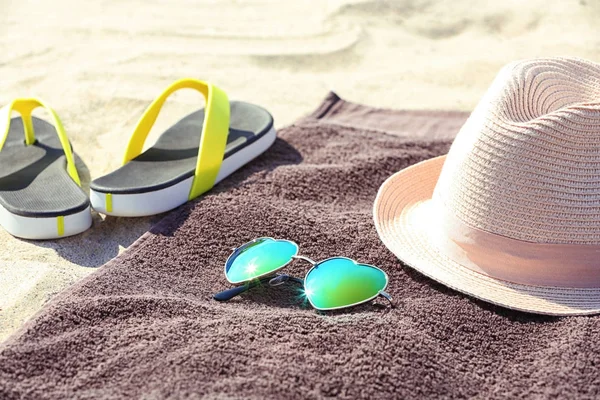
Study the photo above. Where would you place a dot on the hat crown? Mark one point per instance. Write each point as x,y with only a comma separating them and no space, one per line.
526,164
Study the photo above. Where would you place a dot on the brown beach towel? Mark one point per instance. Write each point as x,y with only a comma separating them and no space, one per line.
145,326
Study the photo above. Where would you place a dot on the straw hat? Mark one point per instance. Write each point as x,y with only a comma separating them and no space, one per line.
512,214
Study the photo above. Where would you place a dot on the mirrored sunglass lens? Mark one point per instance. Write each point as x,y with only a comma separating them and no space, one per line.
259,258
340,282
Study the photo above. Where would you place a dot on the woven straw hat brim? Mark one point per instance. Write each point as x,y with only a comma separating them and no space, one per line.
401,213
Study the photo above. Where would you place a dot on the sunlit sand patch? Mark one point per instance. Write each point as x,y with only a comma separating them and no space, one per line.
18,278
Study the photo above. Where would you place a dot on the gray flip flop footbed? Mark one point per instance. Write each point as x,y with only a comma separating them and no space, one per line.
173,158
33,179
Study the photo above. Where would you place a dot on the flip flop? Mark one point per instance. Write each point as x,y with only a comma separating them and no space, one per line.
40,190
188,159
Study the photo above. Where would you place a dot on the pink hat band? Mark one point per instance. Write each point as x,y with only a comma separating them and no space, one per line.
517,261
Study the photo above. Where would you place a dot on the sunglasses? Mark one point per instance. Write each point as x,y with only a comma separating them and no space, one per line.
334,283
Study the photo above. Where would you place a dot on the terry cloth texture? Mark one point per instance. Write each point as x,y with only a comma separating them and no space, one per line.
145,325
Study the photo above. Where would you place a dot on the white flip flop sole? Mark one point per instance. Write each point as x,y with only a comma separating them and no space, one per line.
163,200
38,228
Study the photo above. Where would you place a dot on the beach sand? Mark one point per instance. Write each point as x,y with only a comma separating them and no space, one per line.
100,64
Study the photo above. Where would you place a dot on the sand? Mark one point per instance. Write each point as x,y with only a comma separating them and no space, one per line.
101,63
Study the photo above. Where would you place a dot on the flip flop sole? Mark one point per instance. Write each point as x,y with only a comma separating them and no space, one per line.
45,228
38,198
166,199
161,178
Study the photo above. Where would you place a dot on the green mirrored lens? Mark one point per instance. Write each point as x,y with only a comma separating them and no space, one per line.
340,282
259,258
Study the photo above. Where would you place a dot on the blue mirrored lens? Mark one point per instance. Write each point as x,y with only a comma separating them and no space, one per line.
341,282
258,258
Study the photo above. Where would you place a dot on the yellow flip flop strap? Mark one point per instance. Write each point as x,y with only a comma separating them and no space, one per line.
25,106
214,132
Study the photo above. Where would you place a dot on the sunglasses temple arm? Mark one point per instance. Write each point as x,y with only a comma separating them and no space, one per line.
229,294
387,296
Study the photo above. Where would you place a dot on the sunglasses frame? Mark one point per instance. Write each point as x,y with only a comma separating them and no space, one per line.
245,245
381,292
314,264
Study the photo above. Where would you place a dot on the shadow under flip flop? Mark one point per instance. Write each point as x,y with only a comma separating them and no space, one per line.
279,154
108,236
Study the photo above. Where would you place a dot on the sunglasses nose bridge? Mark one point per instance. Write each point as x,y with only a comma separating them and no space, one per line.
308,260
